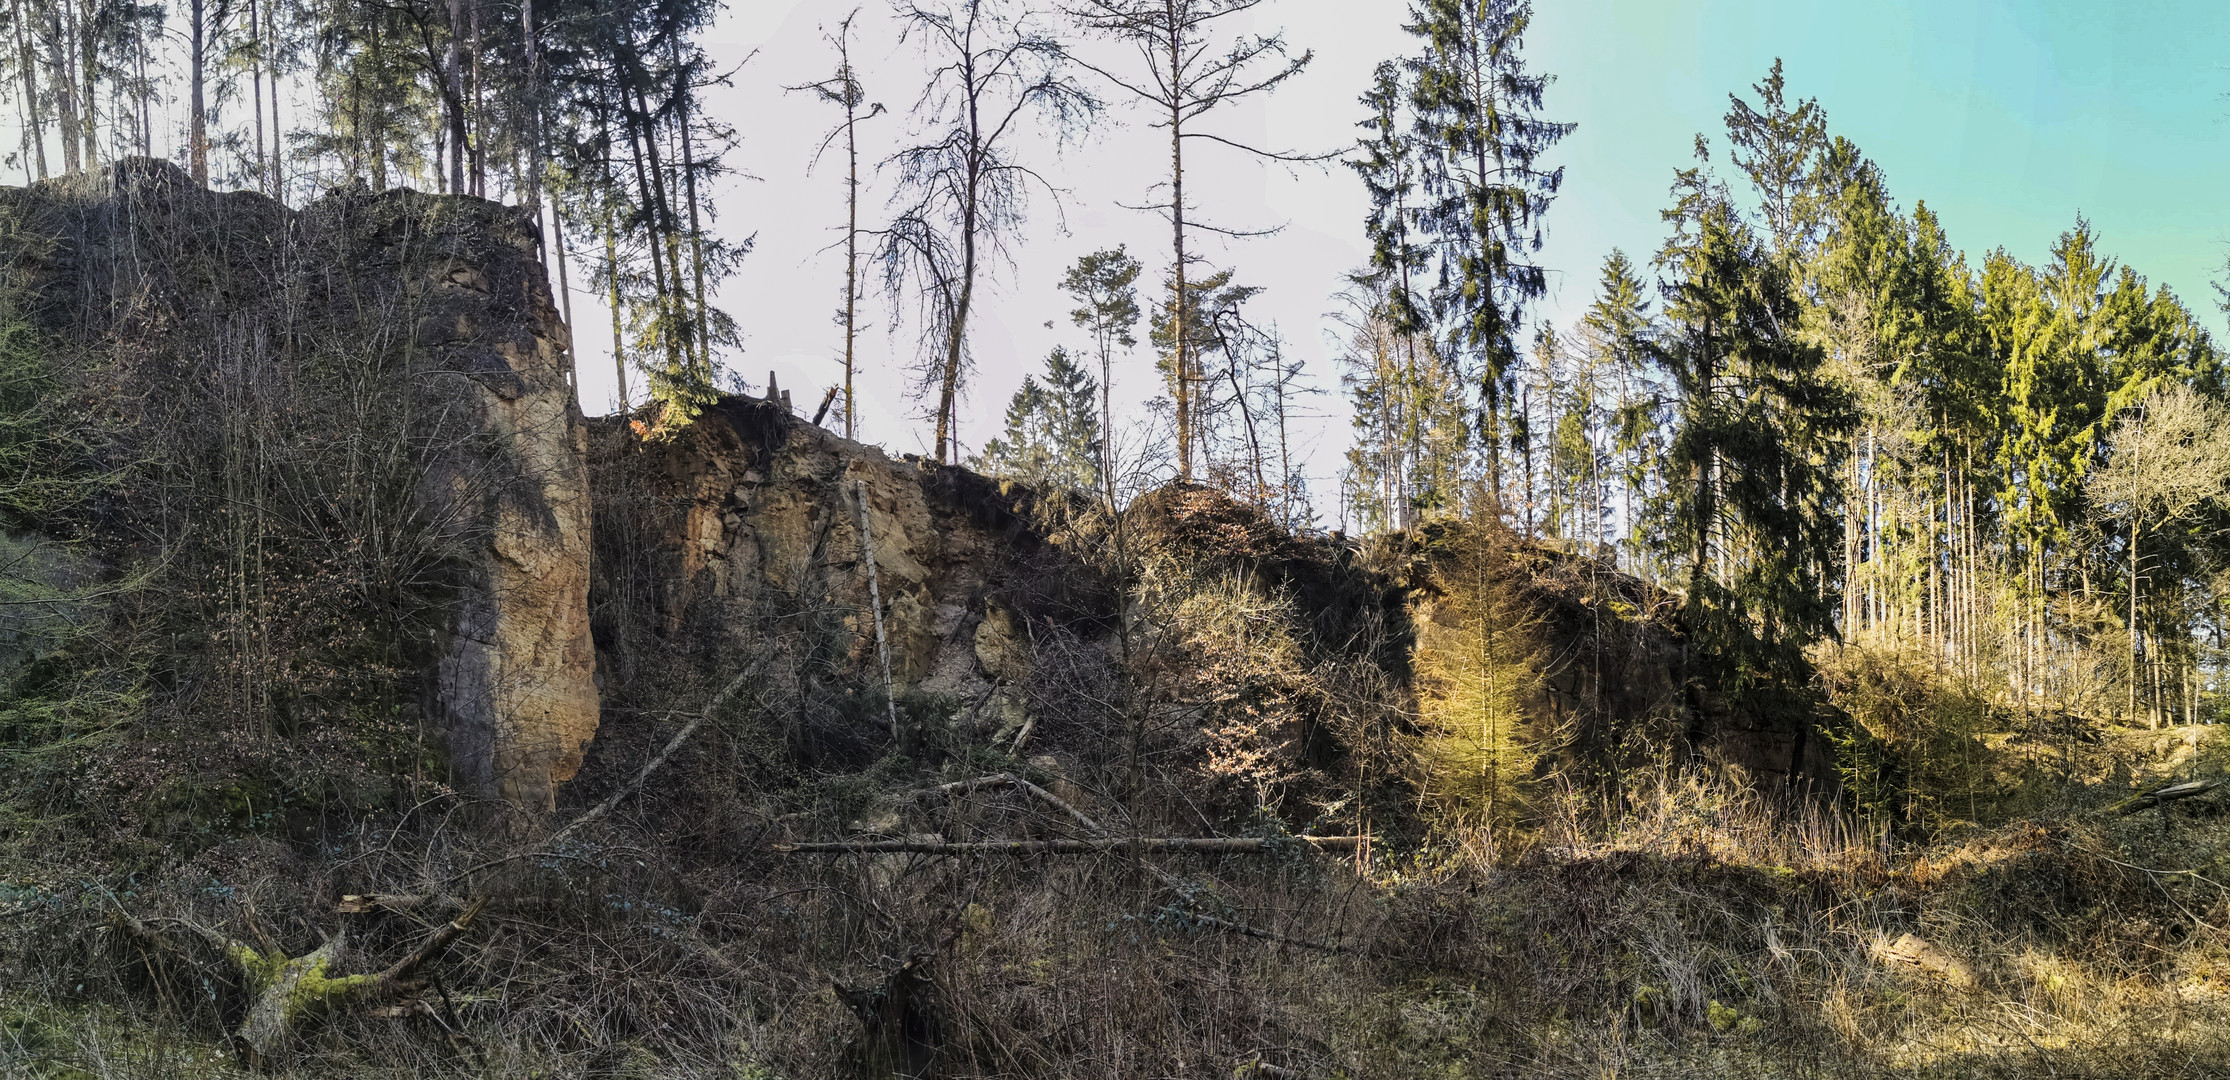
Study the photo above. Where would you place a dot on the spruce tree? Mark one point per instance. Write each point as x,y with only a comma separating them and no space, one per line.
1052,437
1753,484
1479,117
1616,332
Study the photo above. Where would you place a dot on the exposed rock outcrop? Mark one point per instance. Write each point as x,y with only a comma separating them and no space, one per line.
362,402
516,688
750,517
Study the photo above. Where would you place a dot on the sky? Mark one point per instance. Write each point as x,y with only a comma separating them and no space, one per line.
2007,119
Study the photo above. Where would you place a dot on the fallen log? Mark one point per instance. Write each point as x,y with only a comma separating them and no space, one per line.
1202,921
2169,794
1214,845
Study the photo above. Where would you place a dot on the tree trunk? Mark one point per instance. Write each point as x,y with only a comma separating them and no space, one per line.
34,134
479,139
88,55
453,97
619,345
255,78
1181,328
956,327
874,597
851,241
702,336
1216,845
62,70
2134,566
278,123
197,126
530,49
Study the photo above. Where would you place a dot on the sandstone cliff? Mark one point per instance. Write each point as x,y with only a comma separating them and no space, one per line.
350,442
744,530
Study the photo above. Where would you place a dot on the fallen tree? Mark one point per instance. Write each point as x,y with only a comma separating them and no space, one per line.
2163,796
287,990
1156,845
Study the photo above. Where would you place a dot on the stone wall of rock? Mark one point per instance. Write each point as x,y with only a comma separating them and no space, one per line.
516,689
297,367
751,515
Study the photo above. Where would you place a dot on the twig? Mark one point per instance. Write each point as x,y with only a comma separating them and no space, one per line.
1042,795
1229,927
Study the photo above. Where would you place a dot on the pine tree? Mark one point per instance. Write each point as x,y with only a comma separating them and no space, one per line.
1053,435
1104,285
1755,444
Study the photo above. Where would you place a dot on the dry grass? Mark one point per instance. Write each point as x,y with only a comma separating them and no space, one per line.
1700,930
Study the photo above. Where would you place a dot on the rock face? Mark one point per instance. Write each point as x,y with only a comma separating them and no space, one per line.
364,401
749,517
516,689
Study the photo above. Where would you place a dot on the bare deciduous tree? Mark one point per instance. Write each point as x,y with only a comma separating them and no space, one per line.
962,193
2171,455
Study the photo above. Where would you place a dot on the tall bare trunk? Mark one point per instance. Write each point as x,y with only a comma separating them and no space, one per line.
956,329
2134,567
667,276
60,67
89,75
34,133
197,125
278,123
479,113
703,336
1180,300
255,78
619,342
453,101
531,49
851,244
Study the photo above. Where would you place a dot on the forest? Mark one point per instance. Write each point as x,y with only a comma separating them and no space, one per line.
1807,661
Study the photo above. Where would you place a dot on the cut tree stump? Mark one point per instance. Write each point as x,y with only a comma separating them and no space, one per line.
288,990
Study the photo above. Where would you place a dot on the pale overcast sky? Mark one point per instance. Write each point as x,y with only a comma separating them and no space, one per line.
2007,118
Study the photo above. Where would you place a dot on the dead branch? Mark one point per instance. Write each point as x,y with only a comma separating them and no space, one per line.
1329,843
1028,788
1229,927
286,990
1215,845
720,699
432,946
